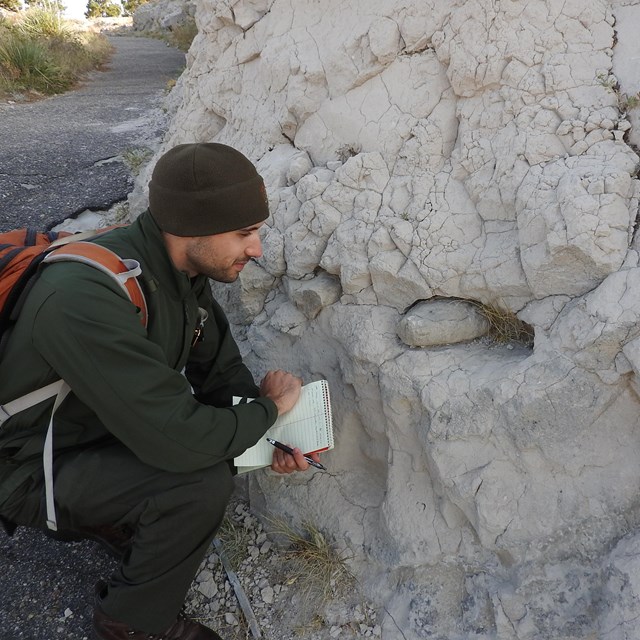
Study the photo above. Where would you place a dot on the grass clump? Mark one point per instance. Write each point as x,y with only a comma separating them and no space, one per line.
42,53
317,568
135,158
235,539
25,64
44,21
181,36
505,326
119,213
626,102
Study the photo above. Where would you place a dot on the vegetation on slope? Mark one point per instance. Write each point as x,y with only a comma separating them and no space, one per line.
41,53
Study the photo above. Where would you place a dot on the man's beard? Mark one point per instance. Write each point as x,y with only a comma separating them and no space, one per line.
217,272
203,262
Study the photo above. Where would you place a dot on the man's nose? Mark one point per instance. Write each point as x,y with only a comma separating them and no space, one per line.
254,248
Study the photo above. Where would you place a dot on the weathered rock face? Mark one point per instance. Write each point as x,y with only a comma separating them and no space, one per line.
422,150
163,15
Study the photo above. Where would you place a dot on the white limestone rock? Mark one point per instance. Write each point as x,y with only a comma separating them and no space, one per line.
441,322
543,313
621,597
574,220
594,329
163,15
311,296
472,150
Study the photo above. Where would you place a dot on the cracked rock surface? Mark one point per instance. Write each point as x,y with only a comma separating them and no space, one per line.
418,151
62,155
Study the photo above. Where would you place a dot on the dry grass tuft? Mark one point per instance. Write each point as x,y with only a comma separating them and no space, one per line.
235,539
317,568
504,325
136,158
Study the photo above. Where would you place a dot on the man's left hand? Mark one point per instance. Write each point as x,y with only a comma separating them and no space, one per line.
286,463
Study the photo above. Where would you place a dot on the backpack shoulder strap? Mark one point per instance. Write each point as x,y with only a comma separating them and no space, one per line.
123,271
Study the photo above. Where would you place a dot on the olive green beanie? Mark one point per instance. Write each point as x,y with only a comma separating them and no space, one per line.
206,188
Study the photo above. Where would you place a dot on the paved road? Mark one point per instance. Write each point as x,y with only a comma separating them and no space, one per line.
52,166
60,156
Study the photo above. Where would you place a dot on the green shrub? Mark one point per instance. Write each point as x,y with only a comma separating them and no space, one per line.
129,6
27,64
45,21
102,9
41,52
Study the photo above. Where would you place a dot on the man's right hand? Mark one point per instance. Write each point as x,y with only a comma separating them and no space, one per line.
281,387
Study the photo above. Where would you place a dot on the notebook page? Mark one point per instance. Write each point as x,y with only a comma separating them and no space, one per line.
307,426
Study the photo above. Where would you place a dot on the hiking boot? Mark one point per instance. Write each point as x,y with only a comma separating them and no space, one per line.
105,628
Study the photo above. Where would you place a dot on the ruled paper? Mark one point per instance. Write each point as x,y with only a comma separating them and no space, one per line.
308,426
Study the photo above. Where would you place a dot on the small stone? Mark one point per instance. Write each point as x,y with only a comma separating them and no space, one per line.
208,589
335,631
204,576
265,547
229,618
267,595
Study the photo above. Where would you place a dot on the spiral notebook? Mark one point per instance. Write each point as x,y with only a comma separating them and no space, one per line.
308,425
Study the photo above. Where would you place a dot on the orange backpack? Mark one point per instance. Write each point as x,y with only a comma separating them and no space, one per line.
21,253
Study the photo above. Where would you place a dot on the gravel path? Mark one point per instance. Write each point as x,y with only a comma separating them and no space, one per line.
59,157
62,155
47,586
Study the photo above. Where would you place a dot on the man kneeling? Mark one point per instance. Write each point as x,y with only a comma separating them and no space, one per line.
143,446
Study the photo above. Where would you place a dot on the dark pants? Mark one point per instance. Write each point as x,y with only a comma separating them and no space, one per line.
174,517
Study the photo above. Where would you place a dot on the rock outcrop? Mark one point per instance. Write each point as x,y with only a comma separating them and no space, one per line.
161,16
423,160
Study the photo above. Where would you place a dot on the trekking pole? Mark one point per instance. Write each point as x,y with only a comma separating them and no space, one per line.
243,601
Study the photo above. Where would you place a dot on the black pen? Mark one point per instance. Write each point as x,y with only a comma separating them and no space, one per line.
289,450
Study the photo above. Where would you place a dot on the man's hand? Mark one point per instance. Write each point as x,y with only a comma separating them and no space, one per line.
283,388
286,463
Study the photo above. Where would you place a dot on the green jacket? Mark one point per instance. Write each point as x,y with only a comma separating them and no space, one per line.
127,382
